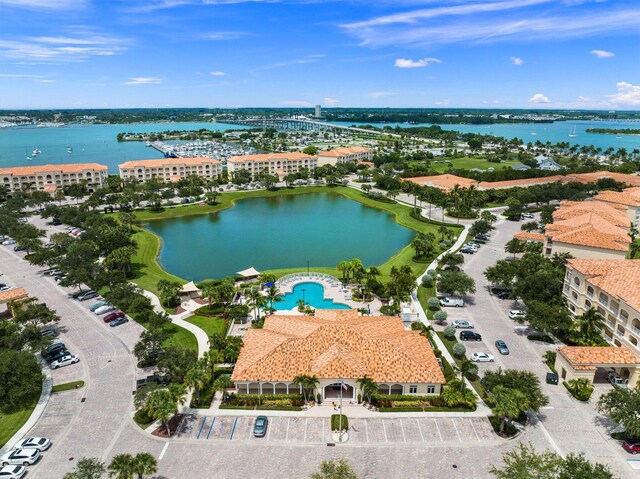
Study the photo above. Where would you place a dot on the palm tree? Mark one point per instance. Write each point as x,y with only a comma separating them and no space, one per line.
311,384
161,406
122,466
196,377
273,296
508,403
345,268
589,324
443,230
368,387
301,381
127,218
255,301
212,358
144,464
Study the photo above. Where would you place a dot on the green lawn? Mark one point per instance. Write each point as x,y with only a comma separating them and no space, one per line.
469,162
67,386
150,272
10,423
208,325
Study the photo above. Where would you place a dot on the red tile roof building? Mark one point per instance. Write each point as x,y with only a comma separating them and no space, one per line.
170,169
40,177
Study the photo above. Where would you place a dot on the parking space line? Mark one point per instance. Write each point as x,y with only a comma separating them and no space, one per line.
305,428
250,428
419,429
435,421
474,429
268,433
456,428
404,438
366,430
286,438
233,429
204,419
324,426
164,449
385,431
211,427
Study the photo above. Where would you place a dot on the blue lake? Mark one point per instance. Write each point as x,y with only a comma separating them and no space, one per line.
277,232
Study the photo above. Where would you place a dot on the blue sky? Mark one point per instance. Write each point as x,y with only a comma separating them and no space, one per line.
398,53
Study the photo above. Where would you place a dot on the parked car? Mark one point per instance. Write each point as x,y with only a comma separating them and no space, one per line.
113,316
632,446
52,349
60,277
528,216
107,308
9,241
153,379
467,250
552,378
85,295
52,272
501,346
50,358
118,322
40,443
49,333
4,287
19,248
517,314
482,358
481,237
615,379
260,426
24,457
457,302
462,324
504,295
12,472
65,361
56,221
97,305
469,336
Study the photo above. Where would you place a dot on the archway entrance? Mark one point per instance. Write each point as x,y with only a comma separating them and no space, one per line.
332,391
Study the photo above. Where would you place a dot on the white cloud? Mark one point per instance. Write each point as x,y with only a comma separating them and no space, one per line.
48,4
539,98
224,35
143,81
407,63
288,63
602,53
442,102
300,103
331,101
381,94
627,94
217,74
517,61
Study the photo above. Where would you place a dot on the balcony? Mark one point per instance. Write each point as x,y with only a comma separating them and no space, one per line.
636,330
611,324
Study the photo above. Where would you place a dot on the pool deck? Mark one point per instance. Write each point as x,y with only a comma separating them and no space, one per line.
333,290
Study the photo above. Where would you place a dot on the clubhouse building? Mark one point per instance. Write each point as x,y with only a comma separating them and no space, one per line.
336,346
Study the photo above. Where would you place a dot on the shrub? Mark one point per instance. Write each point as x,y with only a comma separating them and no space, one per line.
274,399
142,418
545,338
449,332
443,245
580,389
440,316
459,350
550,359
427,281
432,272
335,422
433,303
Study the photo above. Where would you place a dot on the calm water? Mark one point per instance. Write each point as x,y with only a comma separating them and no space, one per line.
90,143
310,293
278,232
553,132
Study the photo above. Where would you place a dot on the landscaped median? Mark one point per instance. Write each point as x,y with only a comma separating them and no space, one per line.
276,402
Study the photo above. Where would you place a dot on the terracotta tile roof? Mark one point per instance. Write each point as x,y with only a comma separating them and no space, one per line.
336,344
627,197
523,183
50,189
51,169
619,278
13,295
162,162
586,357
631,180
614,214
445,181
344,151
266,157
527,236
366,163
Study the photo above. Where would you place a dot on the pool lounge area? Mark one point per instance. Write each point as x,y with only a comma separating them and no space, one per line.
311,293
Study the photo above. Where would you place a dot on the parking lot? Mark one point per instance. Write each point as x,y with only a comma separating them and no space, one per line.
312,430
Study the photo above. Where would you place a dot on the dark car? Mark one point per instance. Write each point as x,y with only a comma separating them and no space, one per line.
632,446
54,348
55,221
501,346
481,237
118,321
19,248
87,295
49,333
503,295
552,378
57,355
153,379
113,316
260,426
470,336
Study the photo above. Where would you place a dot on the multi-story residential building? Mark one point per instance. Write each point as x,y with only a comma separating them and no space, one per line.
585,229
612,288
353,154
280,164
628,198
51,177
170,169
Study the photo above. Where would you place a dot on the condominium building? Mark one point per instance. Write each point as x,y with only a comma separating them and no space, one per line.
629,198
51,177
353,154
612,288
170,169
280,164
585,229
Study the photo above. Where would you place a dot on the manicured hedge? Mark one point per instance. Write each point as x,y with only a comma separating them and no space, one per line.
335,422
429,409
400,401
266,400
581,393
261,408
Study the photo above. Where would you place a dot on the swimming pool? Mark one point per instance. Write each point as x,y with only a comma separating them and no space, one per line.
313,295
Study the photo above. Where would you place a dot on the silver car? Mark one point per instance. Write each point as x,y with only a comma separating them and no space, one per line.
501,346
40,443
21,457
12,472
65,361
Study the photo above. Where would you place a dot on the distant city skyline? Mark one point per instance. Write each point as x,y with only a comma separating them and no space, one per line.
556,54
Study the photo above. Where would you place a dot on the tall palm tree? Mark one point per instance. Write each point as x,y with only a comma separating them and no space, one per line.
273,296
255,301
508,403
196,377
589,324
122,466
212,358
301,381
368,387
144,464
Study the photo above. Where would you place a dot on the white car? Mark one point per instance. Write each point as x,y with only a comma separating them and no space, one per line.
107,308
40,443
65,361
21,457
12,472
482,358
517,313
9,241
462,324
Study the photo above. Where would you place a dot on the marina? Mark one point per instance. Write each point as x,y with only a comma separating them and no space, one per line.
218,150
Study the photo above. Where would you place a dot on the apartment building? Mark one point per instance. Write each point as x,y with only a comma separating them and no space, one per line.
279,164
628,198
353,154
611,287
51,177
170,169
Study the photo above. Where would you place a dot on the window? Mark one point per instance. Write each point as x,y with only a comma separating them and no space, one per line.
413,389
576,281
431,389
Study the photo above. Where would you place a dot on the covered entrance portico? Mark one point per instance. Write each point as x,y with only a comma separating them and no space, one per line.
573,362
332,391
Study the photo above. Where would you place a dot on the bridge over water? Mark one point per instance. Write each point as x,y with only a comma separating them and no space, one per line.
304,123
